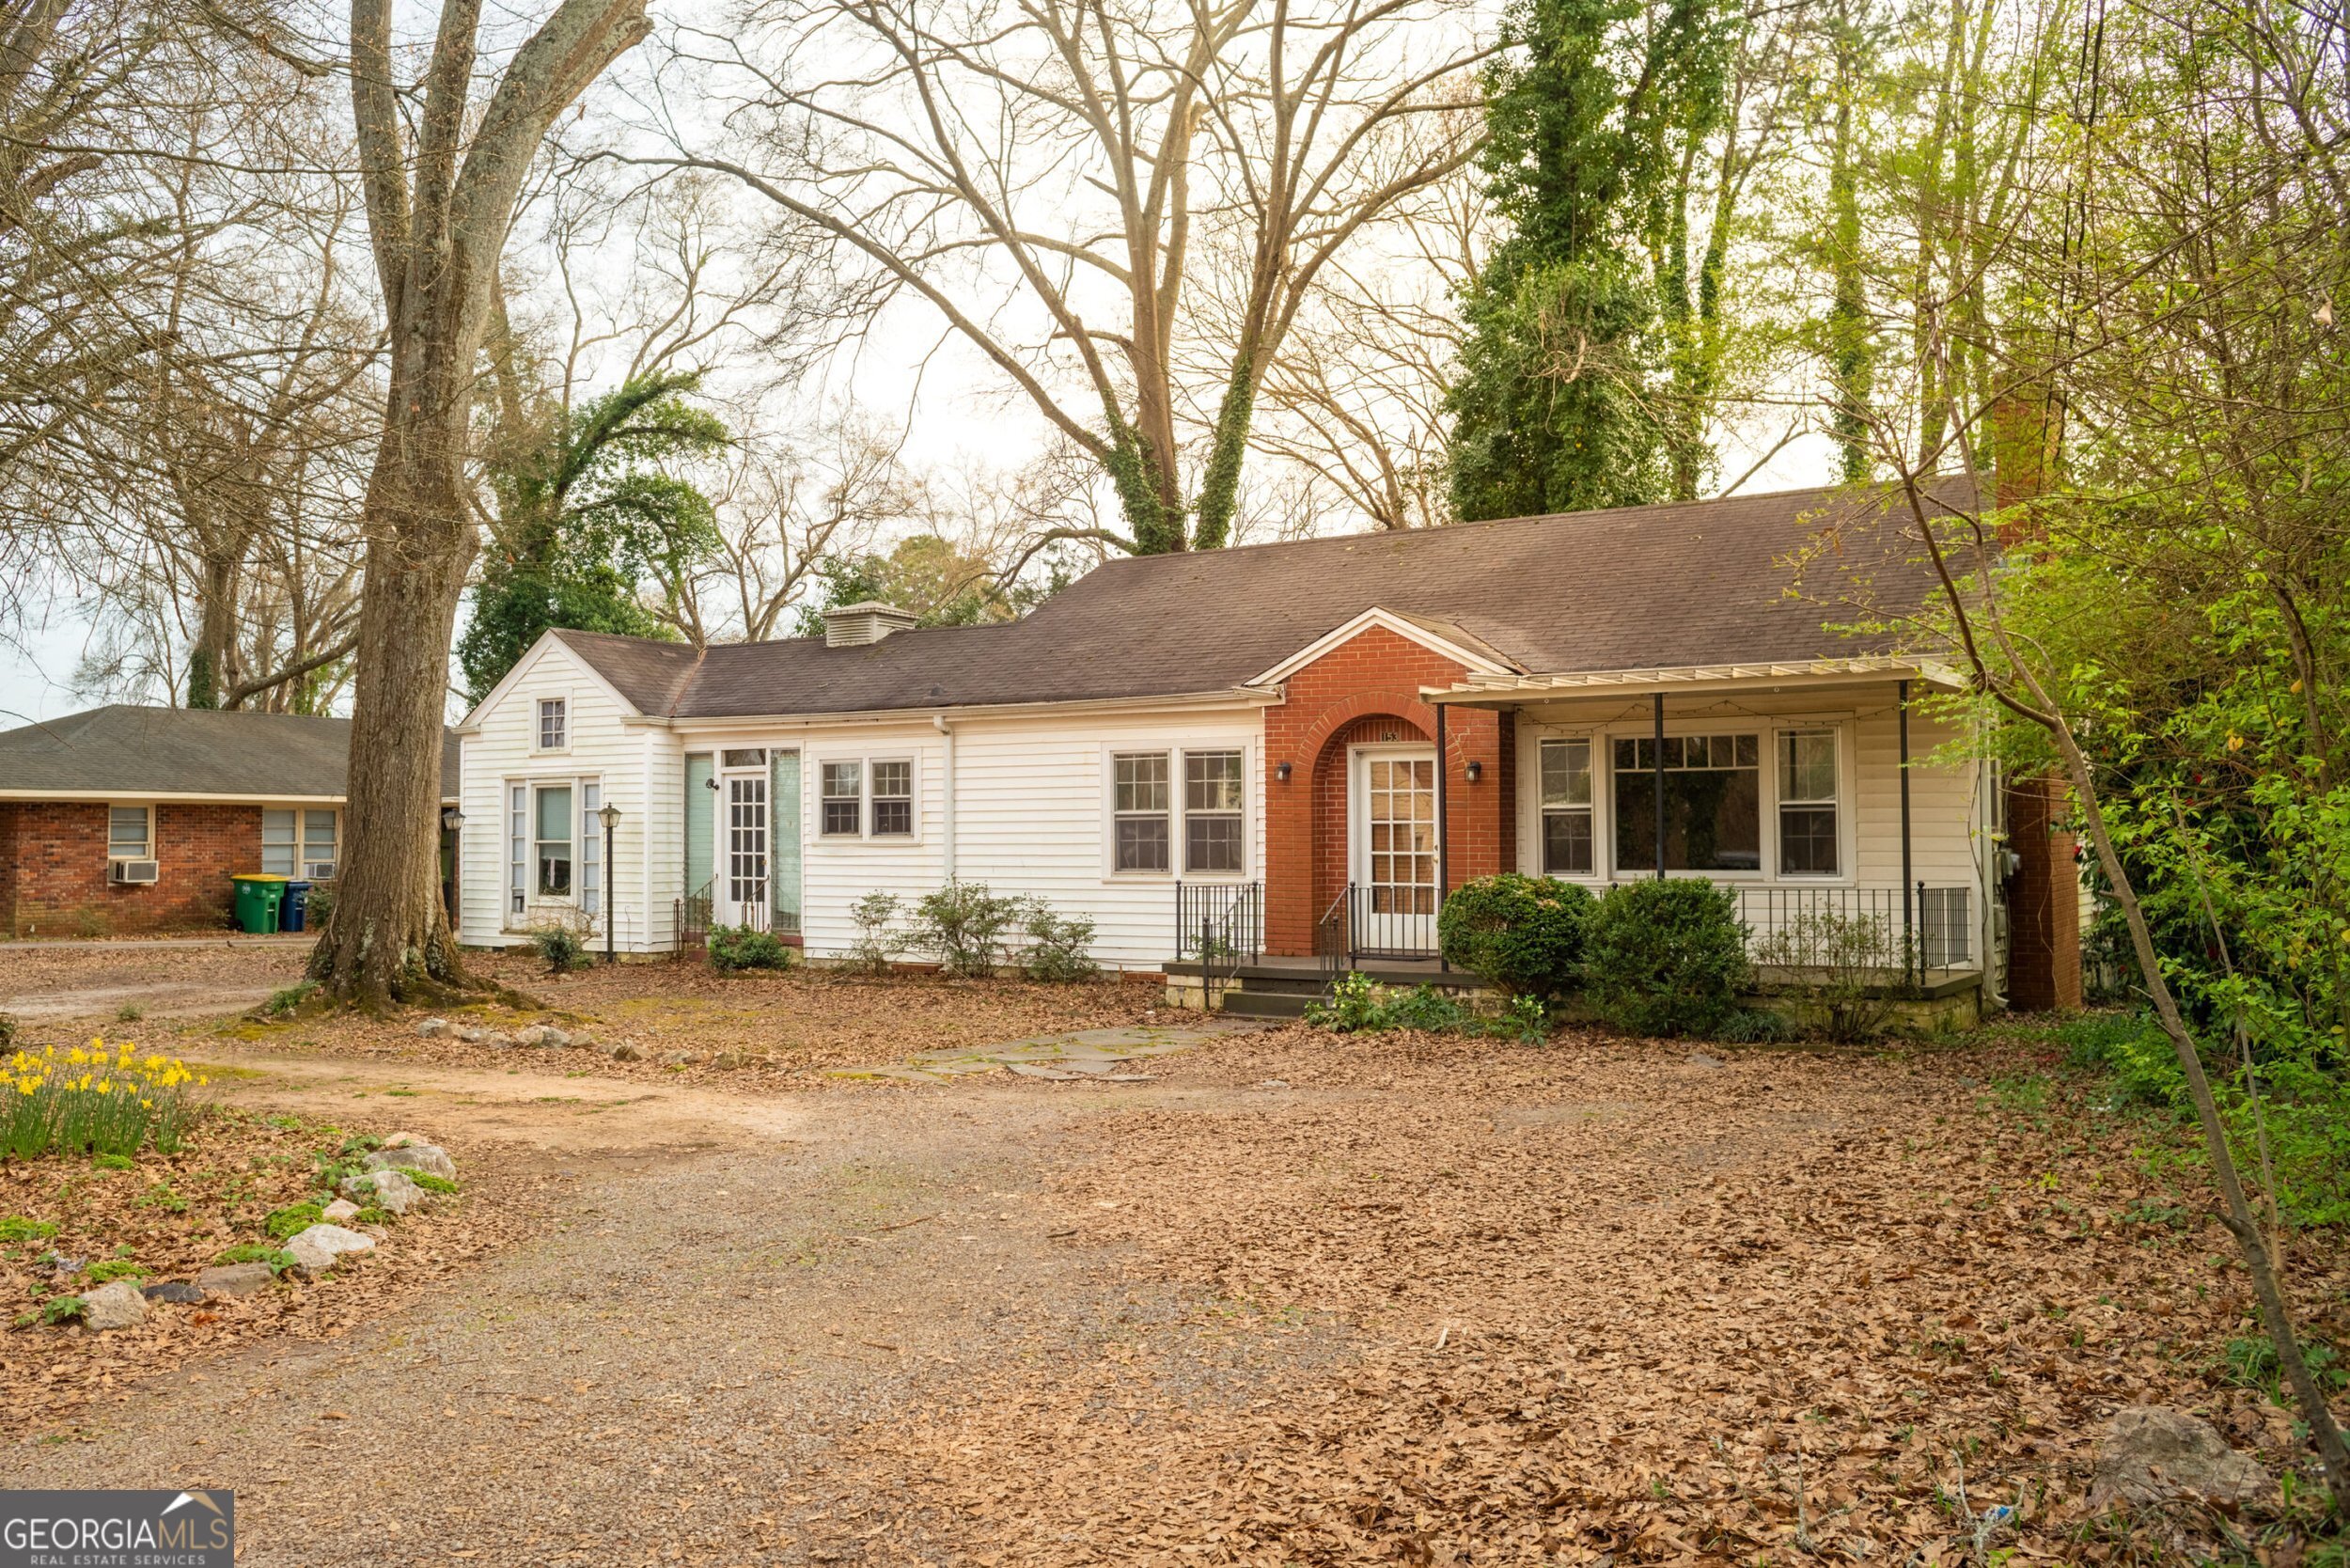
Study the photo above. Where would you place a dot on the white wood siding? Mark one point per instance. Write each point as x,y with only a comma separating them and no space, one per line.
502,749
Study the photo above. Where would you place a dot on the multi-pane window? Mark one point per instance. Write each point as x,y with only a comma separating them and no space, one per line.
1712,789
553,842
1139,804
298,843
843,800
1807,803
518,847
590,848
554,721
1212,812
893,800
1566,807
129,833
1400,810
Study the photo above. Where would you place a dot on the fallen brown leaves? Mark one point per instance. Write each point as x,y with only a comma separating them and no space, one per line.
784,1030
172,1214
1450,1301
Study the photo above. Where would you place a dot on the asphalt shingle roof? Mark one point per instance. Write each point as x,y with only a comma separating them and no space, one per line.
121,749
1635,587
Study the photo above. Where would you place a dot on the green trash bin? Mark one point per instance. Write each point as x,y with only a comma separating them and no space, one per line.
259,895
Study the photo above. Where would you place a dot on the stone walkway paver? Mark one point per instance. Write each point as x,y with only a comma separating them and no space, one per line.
1083,1056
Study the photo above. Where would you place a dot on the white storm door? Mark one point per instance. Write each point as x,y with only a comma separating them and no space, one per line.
1393,848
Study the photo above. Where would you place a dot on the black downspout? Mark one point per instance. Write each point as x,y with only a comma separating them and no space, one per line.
1909,943
1443,829
1660,786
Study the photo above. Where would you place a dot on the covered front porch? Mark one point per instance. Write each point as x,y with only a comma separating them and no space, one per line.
1852,827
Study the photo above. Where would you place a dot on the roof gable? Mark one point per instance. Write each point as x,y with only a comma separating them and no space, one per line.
1464,648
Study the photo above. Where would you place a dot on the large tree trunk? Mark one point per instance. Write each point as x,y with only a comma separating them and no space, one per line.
439,206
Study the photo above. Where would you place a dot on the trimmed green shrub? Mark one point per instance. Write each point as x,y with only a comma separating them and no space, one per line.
1666,958
876,944
964,926
734,948
1524,934
1058,950
563,946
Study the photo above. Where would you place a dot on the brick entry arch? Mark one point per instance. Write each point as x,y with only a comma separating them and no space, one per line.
1365,690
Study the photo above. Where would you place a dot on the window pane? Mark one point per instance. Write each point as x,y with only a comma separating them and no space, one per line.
1567,843
1713,813
125,831
1142,843
1807,766
841,816
1807,840
555,813
1139,781
744,756
1566,772
892,817
549,723
893,779
1212,781
318,835
1212,843
843,779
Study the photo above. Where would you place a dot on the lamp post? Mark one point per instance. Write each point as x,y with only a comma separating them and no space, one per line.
611,817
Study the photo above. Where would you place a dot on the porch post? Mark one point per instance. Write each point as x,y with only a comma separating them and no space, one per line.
1909,948
1444,827
1659,775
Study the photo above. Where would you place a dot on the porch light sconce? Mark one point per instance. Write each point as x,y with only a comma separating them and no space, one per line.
451,818
711,784
1281,772
1475,770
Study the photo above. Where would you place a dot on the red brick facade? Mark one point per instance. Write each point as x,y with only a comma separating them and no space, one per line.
2043,900
53,877
1366,691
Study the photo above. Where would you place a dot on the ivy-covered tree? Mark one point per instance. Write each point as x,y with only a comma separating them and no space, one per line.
1571,373
588,516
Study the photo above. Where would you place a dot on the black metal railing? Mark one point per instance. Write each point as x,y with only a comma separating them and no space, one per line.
1221,926
1911,931
1334,939
693,920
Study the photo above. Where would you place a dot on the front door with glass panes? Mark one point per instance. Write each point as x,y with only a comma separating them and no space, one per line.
1394,849
744,819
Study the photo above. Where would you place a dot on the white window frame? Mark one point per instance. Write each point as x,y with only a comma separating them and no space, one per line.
1836,803
1185,811
303,857
146,847
812,792
562,701
1178,799
1602,737
520,898
1589,808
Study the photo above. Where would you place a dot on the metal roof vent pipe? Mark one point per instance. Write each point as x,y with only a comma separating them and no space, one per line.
866,622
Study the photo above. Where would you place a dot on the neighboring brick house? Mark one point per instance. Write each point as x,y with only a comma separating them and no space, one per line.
1296,749
126,818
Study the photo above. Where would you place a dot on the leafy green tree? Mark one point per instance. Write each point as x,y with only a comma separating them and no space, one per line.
588,515
1581,326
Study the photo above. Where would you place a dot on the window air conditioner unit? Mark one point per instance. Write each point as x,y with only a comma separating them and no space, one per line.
134,871
319,870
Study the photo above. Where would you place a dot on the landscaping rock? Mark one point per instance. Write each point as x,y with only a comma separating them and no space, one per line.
315,1249
176,1290
415,1156
679,1059
2150,1454
234,1279
541,1034
473,1036
389,1189
433,1028
115,1304
404,1140
1698,1059
342,1210
625,1052
498,1041
725,1061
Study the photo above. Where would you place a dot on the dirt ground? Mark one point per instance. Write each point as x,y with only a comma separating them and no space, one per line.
1301,1300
